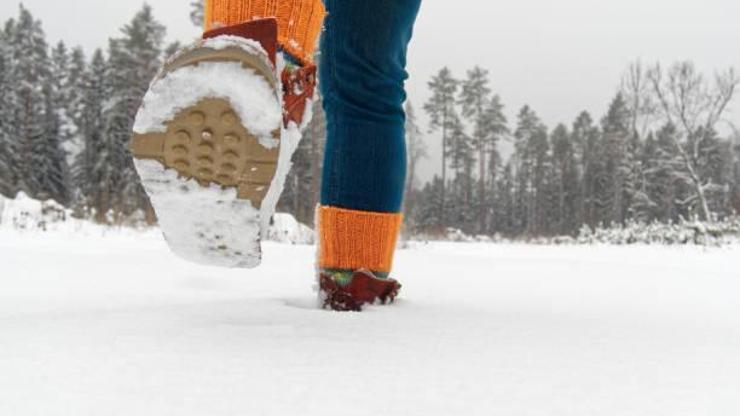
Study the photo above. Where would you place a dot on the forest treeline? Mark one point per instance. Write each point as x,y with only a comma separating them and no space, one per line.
662,151
656,155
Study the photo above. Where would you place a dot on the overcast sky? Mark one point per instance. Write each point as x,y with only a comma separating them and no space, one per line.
559,56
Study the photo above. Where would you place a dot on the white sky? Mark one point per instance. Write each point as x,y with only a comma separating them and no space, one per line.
559,56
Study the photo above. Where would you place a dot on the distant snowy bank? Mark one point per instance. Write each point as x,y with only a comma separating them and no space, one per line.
27,214
24,214
716,233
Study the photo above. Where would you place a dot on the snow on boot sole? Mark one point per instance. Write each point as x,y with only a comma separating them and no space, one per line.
206,145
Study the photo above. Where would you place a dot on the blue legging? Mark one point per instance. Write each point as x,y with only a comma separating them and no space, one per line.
362,75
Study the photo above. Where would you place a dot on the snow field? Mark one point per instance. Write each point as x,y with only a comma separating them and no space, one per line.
112,323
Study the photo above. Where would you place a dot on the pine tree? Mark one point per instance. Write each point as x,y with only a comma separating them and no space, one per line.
635,175
644,207
539,150
504,203
586,139
662,174
497,126
35,122
530,148
8,148
416,150
134,59
74,88
617,130
93,166
443,116
59,82
74,108
66,73
566,176
735,187
50,157
474,96
462,159
24,82
427,217
489,124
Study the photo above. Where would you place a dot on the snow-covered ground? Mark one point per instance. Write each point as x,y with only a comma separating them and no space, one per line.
110,323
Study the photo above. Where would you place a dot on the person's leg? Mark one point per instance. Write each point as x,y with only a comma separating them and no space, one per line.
362,74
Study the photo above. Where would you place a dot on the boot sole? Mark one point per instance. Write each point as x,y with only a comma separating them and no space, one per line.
208,144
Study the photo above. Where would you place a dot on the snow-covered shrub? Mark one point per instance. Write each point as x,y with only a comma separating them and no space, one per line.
563,240
483,239
718,232
286,229
685,232
457,235
25,213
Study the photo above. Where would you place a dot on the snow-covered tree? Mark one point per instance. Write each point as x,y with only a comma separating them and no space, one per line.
93,168
662,172
613,173
61,89
617,130
8,146
65,77
586,140
35,122
531,153
695,106
564,213
133,59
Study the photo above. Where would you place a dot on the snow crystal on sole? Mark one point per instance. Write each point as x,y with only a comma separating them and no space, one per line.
205,224
252,97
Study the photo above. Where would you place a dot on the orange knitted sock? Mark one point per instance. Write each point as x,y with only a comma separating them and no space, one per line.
299,21
352,240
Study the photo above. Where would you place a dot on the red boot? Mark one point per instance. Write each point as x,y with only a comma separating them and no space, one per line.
344,292
298,83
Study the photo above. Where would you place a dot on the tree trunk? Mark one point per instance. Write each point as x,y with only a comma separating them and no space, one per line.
442,214
482,189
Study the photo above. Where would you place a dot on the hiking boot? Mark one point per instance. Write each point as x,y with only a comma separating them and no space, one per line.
350,291
213,141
